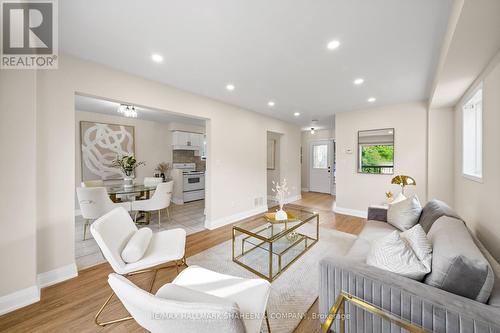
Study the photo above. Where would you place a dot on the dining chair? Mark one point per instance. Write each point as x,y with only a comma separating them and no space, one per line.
93,183
197,300
94,203
160,200
112,232
152,181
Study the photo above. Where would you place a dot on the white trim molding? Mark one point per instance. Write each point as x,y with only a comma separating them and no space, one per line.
57,275
351,212
19,299
305,189
214,224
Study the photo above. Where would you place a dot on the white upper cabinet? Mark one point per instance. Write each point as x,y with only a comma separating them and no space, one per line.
187,140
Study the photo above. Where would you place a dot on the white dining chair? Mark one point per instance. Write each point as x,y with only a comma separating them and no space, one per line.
94,203
198,300
152,181
112,232
160,200
93,183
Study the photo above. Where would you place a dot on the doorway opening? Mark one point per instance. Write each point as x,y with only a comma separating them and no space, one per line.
173,147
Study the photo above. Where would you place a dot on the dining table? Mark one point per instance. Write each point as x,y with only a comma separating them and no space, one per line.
136,192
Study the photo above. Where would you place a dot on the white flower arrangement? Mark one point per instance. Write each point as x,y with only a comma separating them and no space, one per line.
281,192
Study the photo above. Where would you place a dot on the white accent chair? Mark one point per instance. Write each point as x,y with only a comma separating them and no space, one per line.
160,200
198,300
94,203
152,181
112,232
93,183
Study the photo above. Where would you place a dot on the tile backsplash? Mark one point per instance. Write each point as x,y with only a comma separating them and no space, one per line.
187,156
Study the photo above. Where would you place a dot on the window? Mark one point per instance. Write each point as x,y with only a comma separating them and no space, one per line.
320,156
377,158
376,151
472,144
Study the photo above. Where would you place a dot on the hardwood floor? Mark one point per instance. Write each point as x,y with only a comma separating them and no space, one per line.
71,305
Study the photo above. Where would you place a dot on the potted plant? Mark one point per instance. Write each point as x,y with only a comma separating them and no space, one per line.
281,190
127,165
163,168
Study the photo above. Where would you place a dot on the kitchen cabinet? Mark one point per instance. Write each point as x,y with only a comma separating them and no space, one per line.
187,141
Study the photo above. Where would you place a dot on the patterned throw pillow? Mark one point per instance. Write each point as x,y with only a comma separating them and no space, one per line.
404,214
408,254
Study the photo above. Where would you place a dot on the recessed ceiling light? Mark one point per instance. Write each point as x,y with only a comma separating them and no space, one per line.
296,114
359,81
157,57
270,103
371,99
332,45
230,87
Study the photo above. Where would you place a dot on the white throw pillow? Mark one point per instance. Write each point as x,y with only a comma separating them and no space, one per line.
400,197
404,214
137,245
420,244
395,254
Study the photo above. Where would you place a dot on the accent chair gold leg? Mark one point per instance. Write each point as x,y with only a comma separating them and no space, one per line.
96,318
85,224
135,216
153,281
267,322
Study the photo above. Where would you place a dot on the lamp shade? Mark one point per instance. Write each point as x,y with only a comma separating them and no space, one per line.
402,180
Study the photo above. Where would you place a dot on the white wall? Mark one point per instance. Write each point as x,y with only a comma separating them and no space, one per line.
152,142
441,164
478,202
236,146
274,175
356,191
17,197
306,138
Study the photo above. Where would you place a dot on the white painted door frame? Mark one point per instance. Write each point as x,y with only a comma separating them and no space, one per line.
322,180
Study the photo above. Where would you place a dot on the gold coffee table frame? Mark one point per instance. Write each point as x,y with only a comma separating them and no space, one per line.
264,231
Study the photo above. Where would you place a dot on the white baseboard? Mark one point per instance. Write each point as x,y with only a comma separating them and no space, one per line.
352,212
305,189
57,275
31,294
214,224
19,299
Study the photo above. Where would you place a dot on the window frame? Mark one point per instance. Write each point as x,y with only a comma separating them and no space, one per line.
469,99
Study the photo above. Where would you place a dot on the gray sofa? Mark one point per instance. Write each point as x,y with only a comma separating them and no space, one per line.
461,294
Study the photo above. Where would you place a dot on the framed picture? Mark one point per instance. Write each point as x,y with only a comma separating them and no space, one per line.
271,154
100,144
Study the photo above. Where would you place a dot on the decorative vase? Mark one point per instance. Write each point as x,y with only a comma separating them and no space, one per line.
128,181
281,215
162,175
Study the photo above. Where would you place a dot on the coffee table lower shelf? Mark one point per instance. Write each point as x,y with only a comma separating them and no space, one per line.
269,258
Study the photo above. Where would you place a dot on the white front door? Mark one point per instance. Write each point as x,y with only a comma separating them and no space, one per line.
320,169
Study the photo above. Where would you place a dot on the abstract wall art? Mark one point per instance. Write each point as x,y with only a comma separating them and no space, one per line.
100,145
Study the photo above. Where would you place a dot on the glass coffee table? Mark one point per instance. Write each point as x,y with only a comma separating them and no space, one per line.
267,248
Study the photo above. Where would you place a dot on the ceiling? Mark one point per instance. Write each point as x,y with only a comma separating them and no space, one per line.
91,104
269,50
475,41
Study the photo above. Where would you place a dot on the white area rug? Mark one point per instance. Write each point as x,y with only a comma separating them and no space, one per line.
296,289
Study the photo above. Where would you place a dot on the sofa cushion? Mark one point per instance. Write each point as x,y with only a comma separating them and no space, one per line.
458,266
394,254
433,210
374,230
404,214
